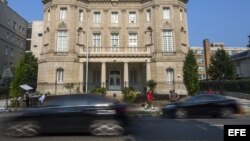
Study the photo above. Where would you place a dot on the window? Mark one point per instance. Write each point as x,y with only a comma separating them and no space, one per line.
7,36
48,15
14,25
200,52
11,52
170,75
132,40
133,77
96,77
202,76
200,60
96,40
59,75
181,15
166,13
230,52
63,13
132,17
167,41
114,17
80,15
6,51
62,41
201,68
97,17
114,40
148,15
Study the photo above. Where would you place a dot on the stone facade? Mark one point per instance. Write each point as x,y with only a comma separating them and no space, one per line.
12,39
115,43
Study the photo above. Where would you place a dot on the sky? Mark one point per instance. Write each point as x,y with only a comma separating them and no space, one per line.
220,21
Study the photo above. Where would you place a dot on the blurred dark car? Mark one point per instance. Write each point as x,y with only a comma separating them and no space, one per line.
69,113
202,105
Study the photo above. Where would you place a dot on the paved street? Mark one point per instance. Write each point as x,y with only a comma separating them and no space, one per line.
157,129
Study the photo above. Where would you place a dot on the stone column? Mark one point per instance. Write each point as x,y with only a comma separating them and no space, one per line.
148,71
103,75
126,84
81,75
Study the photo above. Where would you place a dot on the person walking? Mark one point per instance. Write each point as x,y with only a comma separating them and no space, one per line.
173,96
150,98
27,99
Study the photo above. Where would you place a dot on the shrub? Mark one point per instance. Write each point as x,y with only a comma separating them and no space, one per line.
99,91
129,94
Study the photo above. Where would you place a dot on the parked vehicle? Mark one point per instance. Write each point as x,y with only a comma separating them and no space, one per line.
202,105
69,113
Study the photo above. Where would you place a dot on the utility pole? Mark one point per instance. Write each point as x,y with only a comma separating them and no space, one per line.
87,57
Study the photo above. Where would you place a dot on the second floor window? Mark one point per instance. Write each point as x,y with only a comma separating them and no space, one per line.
48,15
62,41
181,15
96,40
59,75
114,17
63,13
148,15
167,41
132,17
166,13
114,39
80,15
6,51
97,17
132,40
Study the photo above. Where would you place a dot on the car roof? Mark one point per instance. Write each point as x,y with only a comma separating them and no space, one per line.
75,99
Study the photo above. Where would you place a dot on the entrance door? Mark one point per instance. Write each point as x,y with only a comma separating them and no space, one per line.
115,80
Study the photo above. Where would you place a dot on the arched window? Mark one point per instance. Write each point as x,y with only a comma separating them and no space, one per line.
170,75
59,75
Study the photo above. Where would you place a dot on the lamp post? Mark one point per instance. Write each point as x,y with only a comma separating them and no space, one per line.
87,57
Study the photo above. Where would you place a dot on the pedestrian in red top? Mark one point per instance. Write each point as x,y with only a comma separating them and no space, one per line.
209,91
150,98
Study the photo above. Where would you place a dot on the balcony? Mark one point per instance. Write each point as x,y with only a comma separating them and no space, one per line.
117,51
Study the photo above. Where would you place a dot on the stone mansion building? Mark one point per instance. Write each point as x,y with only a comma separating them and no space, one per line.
113,44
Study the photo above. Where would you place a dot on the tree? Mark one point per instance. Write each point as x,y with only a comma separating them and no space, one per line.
221,67
151,84
25,73
190,70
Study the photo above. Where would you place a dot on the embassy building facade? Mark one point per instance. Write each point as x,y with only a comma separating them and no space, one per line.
113,44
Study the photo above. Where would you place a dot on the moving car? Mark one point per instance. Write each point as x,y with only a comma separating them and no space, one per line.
69,113
202,105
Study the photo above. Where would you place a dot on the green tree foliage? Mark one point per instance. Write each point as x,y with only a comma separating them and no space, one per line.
151,84
221,67
25,73
190,70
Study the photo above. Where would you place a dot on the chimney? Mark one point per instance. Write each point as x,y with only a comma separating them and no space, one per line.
207,55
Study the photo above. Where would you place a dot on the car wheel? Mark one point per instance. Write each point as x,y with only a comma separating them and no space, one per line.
23,129
226,113
181,113
106,127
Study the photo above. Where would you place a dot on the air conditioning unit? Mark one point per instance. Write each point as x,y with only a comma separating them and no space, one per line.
132,21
